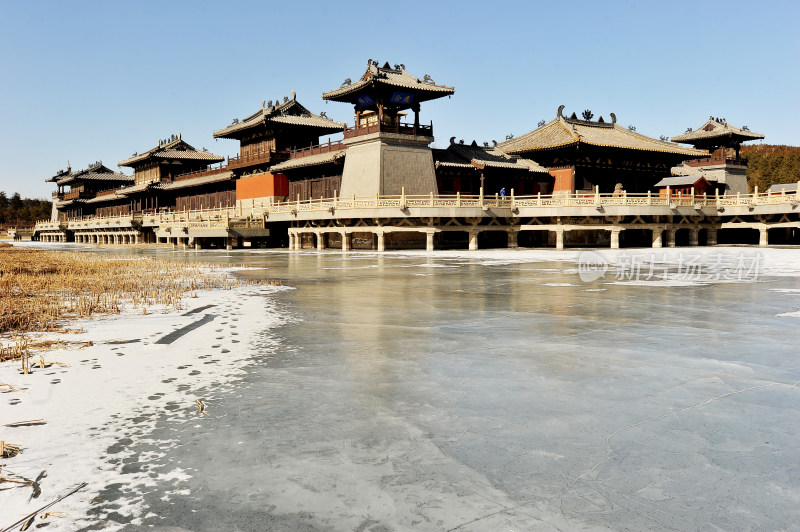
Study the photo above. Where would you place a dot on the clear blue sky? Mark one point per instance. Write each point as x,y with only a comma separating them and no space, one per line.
83,81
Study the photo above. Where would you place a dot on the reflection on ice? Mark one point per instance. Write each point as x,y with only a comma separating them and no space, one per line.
501,392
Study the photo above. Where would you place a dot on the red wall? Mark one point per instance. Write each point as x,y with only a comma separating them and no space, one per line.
262,186
564,179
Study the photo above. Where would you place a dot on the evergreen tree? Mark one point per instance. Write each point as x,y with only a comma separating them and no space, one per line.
769,165
17,210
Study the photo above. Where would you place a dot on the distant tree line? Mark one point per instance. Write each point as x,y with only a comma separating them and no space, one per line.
18,211
769,164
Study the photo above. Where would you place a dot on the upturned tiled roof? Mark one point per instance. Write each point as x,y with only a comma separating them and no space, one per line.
310,160
95,172
141,187
189,154
194,181
288,112
391,77
682,180
784,187
562,131
479,157
715,128
445,158
61,174
174,148
104,198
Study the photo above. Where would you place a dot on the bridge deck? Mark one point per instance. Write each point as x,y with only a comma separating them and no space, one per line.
472,214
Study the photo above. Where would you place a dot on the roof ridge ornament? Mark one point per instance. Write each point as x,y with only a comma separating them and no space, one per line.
560,111
294,95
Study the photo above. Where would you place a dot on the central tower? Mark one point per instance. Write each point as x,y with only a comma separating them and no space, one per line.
385,154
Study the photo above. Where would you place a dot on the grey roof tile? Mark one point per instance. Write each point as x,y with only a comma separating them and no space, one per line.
195,181
716,129
561,132
472,155
290,112
95,172
392,77
682,180
310,160
174,149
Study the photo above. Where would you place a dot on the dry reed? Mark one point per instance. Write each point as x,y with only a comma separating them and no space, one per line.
41,290
8,449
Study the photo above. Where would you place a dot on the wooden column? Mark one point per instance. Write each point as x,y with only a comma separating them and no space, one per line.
711,237
559,239
694,236
513,240
671,237
473,240
657,243
763,237
615,238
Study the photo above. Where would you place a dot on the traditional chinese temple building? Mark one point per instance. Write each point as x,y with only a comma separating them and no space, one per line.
77,190
725,170
176,175
269,142
569,182
583,154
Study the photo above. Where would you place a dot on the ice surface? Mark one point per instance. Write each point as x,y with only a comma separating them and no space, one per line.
501,392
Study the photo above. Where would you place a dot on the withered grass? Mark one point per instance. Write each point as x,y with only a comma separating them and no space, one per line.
42,290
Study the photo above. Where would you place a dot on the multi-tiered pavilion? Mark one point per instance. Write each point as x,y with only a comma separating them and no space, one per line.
85,186
722,168
269,140
384,154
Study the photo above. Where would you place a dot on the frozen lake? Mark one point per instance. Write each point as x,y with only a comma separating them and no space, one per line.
486,391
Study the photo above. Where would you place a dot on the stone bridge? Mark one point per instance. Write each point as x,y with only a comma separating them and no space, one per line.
598,219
